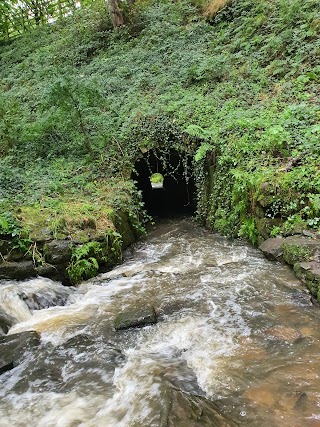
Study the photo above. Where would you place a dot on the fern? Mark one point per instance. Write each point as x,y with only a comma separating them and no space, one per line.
82,269
202,151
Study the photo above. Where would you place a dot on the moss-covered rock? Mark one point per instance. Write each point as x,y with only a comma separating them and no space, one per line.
125,228
5,247
297,251
17,270
18,255
309,273
301,252
291,249
265,227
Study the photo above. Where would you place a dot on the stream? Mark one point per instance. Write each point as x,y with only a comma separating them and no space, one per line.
232,327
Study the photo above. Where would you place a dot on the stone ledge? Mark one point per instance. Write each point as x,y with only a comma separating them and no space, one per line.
17,270
301,252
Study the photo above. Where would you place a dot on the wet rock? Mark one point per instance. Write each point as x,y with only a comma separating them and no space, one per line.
57,252
110,275
187,410
40,301
301,401
4,367
12,348
135,318
285,334
309,273
127,271
79,341
113,356
6,321
273,248
17,270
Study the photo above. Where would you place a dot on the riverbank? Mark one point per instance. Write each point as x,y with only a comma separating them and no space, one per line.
71,237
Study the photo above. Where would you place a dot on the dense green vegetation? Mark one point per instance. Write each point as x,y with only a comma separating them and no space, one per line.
239,89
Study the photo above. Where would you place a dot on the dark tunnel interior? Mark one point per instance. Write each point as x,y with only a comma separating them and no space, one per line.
177,196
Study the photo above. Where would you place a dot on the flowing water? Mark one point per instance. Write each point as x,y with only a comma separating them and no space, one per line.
232,327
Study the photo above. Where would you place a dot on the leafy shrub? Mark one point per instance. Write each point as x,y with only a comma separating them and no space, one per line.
86,258
249,230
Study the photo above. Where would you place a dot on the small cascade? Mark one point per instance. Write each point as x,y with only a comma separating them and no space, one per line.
18,300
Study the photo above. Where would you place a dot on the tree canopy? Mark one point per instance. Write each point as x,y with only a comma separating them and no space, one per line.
19,16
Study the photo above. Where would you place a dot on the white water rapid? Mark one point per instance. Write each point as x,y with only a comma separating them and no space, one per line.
232,327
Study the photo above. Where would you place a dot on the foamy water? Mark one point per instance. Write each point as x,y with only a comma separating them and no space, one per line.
232,326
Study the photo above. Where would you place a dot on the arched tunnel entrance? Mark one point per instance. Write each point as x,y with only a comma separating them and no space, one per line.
176,194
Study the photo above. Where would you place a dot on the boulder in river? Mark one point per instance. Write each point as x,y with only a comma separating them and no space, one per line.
6,321
272,248
136,318
187,410
12,348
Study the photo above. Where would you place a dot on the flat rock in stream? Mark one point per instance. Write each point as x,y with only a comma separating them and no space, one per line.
136,318
12,348
187,410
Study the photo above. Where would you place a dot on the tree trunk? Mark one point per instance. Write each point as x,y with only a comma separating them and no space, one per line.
116,14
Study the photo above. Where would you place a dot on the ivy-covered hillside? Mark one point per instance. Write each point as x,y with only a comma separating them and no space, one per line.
235,82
